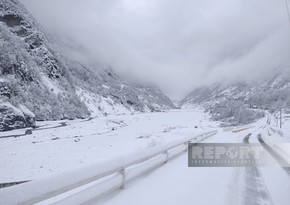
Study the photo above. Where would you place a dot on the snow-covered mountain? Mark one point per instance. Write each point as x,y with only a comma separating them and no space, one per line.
54,79
244,91
228,102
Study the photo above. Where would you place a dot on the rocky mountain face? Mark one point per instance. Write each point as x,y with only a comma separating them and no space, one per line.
241,103
54,80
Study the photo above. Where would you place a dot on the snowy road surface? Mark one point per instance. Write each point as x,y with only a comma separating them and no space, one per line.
55,149
176,183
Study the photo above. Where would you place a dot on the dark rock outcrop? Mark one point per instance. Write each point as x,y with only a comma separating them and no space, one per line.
14,118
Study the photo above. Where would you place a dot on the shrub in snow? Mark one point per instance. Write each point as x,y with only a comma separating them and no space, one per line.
234,112
246,116
271,99
5,88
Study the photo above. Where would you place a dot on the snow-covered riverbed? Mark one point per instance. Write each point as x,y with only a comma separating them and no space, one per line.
48,151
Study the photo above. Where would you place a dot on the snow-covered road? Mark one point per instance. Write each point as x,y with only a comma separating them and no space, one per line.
176,183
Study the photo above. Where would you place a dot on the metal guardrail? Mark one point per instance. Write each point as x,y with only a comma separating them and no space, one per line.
240,129
236,128
86,184
276,130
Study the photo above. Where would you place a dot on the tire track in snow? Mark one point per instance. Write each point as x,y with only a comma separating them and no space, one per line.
246,139
254,190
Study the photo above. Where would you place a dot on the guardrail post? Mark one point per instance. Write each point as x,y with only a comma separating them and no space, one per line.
123,173
186,145
167,156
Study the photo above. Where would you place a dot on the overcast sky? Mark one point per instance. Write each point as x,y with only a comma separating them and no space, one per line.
176,44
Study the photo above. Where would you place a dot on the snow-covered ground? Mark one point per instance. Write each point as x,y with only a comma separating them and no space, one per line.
57,147
176,183
74,144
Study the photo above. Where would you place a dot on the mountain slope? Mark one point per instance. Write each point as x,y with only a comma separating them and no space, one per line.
233,102
53,83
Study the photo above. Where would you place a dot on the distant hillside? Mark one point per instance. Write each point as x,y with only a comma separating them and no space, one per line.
240,103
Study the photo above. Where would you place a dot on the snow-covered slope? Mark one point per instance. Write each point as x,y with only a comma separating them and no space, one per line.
54,80
259,94
243,102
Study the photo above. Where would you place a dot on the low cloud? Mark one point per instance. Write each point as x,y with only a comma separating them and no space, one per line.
178,45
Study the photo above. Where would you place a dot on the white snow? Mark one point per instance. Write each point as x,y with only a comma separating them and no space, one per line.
175,183
105,142
83,143
26,111
3,80
15,110
100,106
50,85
